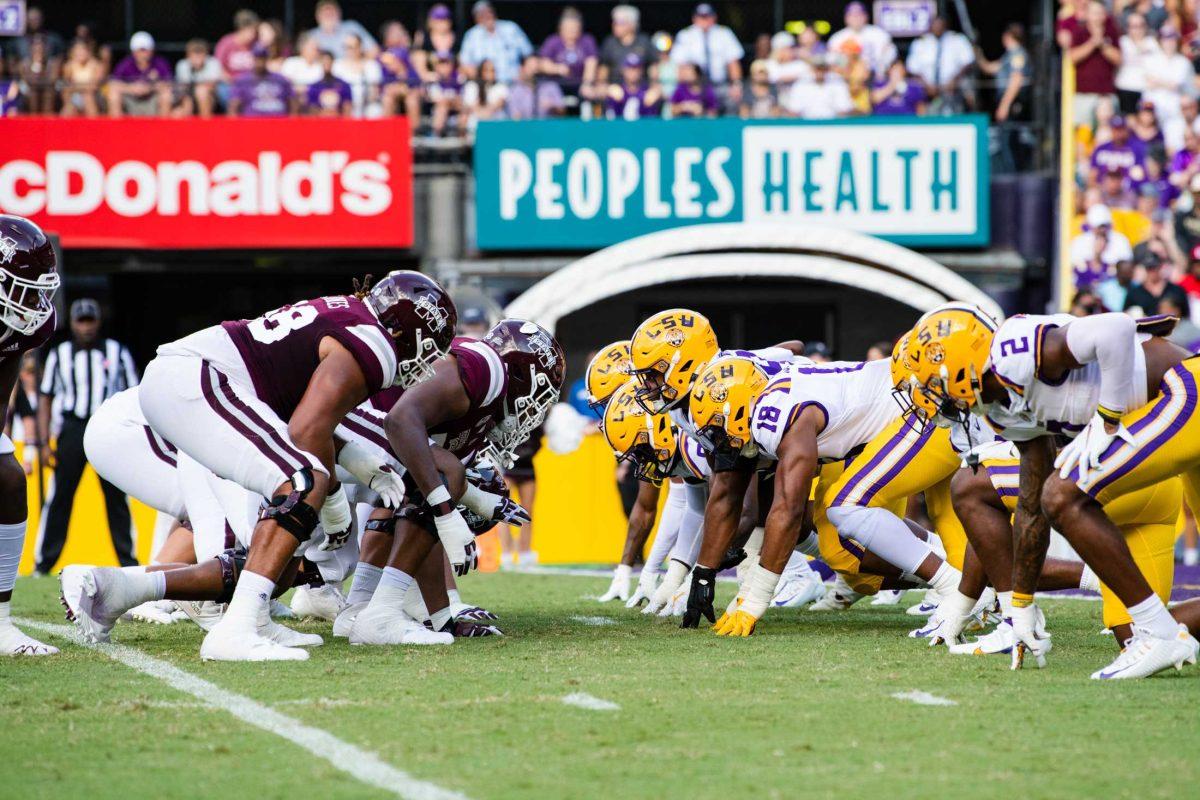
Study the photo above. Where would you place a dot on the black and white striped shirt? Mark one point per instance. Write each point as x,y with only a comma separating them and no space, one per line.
83,378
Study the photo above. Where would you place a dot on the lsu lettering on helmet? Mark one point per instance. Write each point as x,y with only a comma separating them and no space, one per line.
607,372
645,440
666,352
723,399
949,357
536,365
28,275
419,315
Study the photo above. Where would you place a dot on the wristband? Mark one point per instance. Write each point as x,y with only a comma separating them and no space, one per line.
1109,415
1022,600
439,501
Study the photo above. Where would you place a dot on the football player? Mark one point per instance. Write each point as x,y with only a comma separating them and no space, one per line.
256,402
1130,398
28,280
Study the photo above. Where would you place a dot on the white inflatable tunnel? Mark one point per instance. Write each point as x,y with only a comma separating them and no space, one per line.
731,250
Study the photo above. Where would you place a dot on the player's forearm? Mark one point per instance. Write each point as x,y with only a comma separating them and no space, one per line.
641,521
407,435
780,535
1031,528
720,524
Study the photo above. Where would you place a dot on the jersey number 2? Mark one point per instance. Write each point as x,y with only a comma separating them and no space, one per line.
275,325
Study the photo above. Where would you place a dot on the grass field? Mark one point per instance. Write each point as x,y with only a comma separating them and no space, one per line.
803,708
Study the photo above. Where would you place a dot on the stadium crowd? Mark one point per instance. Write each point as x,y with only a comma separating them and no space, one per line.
446,80
1136,242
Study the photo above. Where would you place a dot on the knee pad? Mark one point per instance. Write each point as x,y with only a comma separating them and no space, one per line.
386,525
290,511
232,563
307,574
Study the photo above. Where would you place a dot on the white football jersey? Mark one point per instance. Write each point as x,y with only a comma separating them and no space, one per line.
692,461
771,360
1037,406
855,397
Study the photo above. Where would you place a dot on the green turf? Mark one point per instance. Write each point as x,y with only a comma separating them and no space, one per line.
803,708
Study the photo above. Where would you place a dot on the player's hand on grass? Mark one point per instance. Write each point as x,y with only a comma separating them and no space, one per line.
644,590
458,541
1029,636
700,597
619,588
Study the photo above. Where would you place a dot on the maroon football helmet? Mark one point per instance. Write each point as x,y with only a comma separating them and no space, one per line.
28,275
421,317
536,366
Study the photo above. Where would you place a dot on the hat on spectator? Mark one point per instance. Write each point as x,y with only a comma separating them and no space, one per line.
481,6
85,308
1145,105
1118,121
855,7
141,41
626,13
1149,190
1098,216
260,51
1113,169
632,60
440,11
704,10
1168,32
782,41
473,315
1150,259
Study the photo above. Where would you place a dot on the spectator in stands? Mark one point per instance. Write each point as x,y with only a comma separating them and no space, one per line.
500,41
19,48
1011,71
82,75
10,93
809,44
401,87
785,66
1086,303
1096,251
1160,236
824,97
445,95
664,72
898,94
1114,189
260,92
141,82
693,96
1191,282
1153,11
330,96
877,46
84,33
272,36
303,69
853,69
633,97
484,97
437,37
529,99
1113,290
1138,47
1143,299
1186,162
1169,77
196,78
1147,136
1186,333
332,31
569,57
235,49
362,73
624,39
1089,37
942,60
1120,153
760,98
39,72
1155,176
715,51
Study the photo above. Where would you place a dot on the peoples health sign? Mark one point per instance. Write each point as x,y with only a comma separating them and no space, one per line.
566,184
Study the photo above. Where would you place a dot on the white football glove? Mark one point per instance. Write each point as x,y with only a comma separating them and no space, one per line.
619,588
951,617
371,469
336,520
493,506
456,536
389,485
644,590
1086,449
1029,636
676,574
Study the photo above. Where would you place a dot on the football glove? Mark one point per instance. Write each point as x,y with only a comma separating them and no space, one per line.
336,520
644,590
462,611
756,593
458,541
700,597
1086,449
1029,636
677,572
495,507
619,588
370,469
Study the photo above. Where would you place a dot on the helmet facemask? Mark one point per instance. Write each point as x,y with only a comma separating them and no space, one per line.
411,371
25,304
655,393
525,412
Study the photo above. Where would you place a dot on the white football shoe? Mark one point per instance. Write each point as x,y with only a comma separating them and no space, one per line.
281,634
797,592
381,625
1146,654
157,612
928,604
998,642
226,642
14,642
888,597
95,598
205,613
281,611
838,597
318,602
345,618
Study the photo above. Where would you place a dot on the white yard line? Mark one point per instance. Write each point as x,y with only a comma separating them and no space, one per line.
924,698
596,621
590,702
359,764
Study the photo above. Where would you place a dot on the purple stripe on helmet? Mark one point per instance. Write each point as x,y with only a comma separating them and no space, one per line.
286,446
370,435
897,440
210,395
158,451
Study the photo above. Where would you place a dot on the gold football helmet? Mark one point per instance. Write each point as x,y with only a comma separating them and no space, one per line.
607,372
950,350
646,440
723,398
666,352
906,387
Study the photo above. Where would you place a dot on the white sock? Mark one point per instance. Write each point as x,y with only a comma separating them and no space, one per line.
455,597
252,593
883,533
393,586
5,615
414,603
797,566
1005,603
946,579
810,545
440,618
12,540
366,578
1088,580
1153,616
151,584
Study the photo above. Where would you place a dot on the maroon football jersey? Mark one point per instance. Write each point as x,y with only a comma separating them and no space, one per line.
281,348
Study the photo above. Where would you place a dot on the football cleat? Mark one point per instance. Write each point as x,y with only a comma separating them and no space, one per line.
15,643
1145,655
382,626
226,642
318,602
95,598
799,592
279,634
838,597
927,606
345,620
998,642
888,597
280,611
205,613
157,612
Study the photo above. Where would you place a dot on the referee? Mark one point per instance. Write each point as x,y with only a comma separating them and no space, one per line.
80,374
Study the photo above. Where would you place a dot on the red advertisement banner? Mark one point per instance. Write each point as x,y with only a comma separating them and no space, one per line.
219,183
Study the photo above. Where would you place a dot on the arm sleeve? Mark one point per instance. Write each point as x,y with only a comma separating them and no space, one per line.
1109,340
691,523
668,526
49,374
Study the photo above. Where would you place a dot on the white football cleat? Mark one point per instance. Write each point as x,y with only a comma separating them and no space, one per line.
998,642
927,606
205,613
157,612
383,626
1146,654
15,643
838,597
799,592
281,634
318,602
345,619
95,598
281,611
227,642
888,597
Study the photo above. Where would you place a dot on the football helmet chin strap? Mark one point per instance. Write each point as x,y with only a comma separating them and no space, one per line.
290,511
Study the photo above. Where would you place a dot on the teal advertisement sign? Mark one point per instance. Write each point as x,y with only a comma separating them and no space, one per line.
571,185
